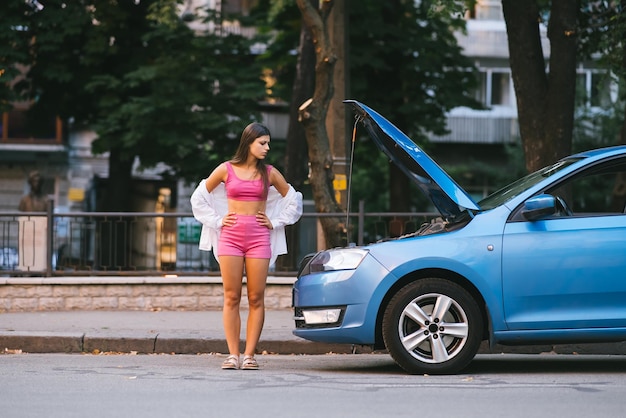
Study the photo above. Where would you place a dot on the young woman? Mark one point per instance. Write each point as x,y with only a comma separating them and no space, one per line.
244,206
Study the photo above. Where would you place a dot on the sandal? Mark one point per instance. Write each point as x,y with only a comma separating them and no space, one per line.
249,363
231,363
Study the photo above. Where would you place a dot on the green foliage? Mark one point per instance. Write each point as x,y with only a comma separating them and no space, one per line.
474,175
603,27
404,61
14,41
595,127
603,30
457,8
367,166
407,65
143,80
281,21
186,104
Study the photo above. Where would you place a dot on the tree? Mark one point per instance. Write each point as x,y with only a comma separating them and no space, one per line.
313,117
404,64
605,24
545,99
546,91
290,58
408,66
150,87
14,42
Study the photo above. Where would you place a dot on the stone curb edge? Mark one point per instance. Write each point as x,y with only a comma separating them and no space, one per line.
77,342
45,342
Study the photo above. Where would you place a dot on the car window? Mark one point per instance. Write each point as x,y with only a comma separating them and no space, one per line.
509,192
599,190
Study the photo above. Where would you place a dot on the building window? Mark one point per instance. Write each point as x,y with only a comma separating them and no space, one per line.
19,126
500,89
495,88
594,87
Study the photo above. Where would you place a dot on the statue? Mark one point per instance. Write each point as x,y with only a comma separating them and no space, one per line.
35,201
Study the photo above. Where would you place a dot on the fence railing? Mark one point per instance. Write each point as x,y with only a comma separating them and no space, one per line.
131,243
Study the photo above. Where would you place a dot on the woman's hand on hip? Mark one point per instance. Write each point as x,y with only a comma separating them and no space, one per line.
262,219
230,219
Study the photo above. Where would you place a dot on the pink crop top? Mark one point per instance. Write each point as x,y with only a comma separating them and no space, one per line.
244,190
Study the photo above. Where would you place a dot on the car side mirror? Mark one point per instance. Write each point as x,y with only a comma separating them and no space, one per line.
538,207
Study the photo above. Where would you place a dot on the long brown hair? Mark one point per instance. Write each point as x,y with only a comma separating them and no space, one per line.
249,134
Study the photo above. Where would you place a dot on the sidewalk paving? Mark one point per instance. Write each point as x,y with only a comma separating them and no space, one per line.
180,332
189,332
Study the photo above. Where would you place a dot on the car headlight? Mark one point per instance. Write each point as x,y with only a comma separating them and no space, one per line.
337,259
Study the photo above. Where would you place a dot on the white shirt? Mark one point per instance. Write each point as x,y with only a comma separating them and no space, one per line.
210,208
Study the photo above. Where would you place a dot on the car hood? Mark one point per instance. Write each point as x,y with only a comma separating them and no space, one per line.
447,196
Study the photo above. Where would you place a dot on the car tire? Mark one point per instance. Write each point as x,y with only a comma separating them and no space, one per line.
425,343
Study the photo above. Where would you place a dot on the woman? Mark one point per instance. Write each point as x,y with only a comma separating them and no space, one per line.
244,206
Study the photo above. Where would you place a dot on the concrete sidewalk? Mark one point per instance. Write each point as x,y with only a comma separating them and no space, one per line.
181,332
189,332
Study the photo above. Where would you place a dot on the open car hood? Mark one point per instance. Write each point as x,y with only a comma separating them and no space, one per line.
447,196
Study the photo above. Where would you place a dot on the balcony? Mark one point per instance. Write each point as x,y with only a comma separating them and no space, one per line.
495,126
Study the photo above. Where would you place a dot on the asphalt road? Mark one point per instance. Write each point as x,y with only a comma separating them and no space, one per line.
334,385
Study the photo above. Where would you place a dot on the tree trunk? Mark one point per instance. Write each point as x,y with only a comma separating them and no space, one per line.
114,234
399,185
118,189
296,167
304,83
312,115
545,102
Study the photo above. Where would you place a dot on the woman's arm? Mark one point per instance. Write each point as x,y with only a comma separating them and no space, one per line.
278,181
216,177
208,209
284,210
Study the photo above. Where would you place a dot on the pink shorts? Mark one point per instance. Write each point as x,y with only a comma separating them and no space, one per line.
247,238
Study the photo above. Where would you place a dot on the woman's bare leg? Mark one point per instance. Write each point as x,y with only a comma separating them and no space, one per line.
256,278
231,268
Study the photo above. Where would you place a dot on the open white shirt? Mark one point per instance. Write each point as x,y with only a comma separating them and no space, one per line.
210,208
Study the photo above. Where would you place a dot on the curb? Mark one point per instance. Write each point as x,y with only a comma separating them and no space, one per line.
77,342
43,342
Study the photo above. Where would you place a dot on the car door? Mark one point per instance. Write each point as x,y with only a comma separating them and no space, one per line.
569,270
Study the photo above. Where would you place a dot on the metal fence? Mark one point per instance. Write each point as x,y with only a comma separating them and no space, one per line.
131,243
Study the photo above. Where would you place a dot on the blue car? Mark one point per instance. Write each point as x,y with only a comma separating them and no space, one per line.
541,261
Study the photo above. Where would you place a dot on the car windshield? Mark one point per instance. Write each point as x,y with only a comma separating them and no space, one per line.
509,192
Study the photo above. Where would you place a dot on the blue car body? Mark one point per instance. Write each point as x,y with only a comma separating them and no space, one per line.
536,275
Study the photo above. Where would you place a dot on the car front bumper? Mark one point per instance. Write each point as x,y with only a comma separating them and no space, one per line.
340,306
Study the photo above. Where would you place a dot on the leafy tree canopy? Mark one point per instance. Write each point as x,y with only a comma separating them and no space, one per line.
408,66
14,44
142,79
403,62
